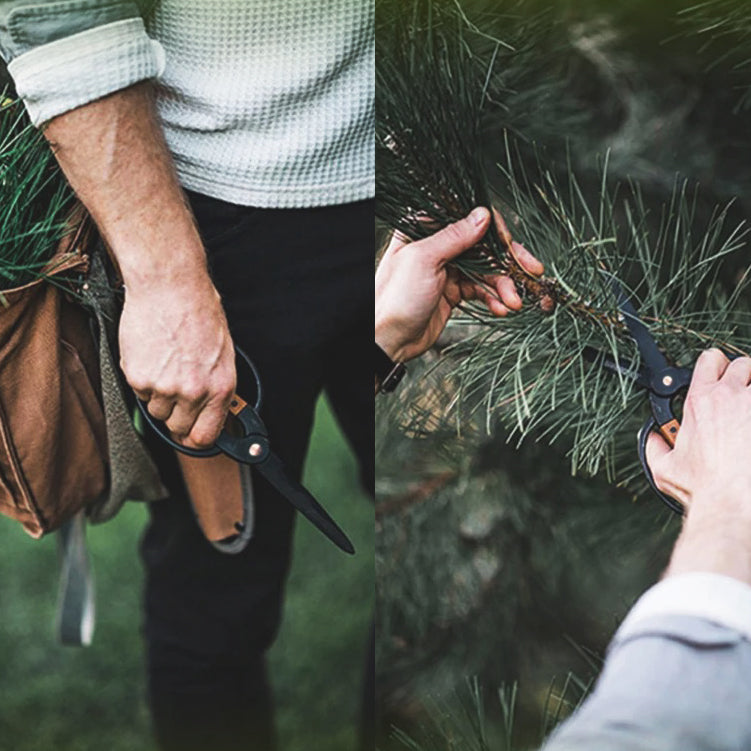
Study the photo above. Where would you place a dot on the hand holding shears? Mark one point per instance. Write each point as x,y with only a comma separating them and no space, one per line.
249,444
662,382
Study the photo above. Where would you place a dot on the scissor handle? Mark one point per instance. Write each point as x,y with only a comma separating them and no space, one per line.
650,425
236,407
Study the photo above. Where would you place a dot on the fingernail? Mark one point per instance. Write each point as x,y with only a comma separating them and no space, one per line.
478,216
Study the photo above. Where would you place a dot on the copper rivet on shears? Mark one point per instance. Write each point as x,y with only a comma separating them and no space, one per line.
255,449
667,381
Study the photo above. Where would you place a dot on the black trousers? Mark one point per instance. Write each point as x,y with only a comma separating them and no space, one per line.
297,290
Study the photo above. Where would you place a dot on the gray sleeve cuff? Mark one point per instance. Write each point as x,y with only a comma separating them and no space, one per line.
670,682
73,71
719,599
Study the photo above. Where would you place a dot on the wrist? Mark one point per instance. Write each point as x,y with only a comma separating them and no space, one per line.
150,259
187,287
389,340
713,543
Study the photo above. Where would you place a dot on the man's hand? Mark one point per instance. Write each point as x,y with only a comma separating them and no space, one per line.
415,293
709,470
176,350
177,355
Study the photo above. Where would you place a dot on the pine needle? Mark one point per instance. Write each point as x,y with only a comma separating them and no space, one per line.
35,199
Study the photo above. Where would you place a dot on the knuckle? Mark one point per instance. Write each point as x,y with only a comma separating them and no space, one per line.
226,382
193,395
225,391
139,383
176,427
159,410
192,390
166,390
203,435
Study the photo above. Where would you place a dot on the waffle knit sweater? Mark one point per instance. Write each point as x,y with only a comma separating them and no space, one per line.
264,103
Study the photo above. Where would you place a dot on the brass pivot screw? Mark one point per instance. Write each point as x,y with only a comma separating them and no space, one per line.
255,449
667,380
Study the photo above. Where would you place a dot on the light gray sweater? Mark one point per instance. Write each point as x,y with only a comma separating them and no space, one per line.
266,103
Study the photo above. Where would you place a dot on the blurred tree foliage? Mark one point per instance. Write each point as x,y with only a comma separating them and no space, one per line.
492,559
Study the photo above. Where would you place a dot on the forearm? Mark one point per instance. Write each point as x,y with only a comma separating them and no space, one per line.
715,536
114,155
175,348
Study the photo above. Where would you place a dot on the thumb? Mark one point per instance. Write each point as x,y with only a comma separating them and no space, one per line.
455,238
657,449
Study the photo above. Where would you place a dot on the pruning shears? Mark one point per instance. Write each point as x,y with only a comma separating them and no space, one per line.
246,440
662,382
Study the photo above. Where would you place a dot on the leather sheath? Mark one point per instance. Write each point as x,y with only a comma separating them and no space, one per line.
221,492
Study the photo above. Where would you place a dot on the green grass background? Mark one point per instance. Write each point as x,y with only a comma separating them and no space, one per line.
71,699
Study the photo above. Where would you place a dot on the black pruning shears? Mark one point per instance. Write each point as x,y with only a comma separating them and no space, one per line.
662,382
249,444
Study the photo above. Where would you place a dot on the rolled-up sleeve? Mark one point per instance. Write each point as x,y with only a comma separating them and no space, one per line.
62,55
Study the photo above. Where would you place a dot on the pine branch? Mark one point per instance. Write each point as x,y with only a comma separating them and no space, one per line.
437,77
460,724
723,28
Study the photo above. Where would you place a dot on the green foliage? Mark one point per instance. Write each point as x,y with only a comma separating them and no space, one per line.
723,29
35,199
530,369
460,723
438,76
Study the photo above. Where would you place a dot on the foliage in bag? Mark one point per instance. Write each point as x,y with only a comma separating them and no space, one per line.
53,443
35,199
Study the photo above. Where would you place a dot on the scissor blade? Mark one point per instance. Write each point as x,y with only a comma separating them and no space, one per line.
273,470
608,363
650,353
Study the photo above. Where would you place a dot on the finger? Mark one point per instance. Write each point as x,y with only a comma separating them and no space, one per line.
473,291
453,240
496,307
492,303
501,228
397,241
657,449
208,425
160,407
709,368
183,417
526,260
467,289
738,372
507,292
143,395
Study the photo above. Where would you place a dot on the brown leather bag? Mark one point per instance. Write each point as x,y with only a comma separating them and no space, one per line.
53,441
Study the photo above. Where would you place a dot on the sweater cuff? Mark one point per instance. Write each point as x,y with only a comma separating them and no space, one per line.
720,599
73,71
